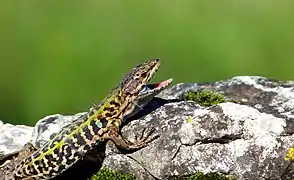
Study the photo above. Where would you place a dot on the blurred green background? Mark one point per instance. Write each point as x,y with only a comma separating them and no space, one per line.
62,56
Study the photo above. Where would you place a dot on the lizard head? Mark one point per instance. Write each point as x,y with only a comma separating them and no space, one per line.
140,75
136,88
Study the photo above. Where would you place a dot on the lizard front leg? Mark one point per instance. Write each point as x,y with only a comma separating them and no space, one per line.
123,143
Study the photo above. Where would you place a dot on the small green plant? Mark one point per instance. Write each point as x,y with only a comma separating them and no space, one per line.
204,97
108,174
202,176
190,119
290,155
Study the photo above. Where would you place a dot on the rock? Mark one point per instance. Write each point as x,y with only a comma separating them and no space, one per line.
247,139
46,128
227,138
13,138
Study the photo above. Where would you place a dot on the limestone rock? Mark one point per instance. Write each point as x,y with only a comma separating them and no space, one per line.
248,139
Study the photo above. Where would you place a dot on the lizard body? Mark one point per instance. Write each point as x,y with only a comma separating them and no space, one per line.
101,123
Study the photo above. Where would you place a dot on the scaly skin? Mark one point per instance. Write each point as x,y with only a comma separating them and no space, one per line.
101,123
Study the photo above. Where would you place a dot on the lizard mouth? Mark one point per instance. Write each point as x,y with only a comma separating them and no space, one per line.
147,92
159,84
156,86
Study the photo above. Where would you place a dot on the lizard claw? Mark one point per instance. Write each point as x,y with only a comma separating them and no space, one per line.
146,138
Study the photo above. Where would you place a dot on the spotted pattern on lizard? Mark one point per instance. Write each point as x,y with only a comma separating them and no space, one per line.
101,123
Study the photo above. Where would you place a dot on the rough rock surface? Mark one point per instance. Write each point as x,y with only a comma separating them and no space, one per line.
248,139
13,138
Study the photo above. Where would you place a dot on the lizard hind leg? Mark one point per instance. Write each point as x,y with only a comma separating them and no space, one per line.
125,144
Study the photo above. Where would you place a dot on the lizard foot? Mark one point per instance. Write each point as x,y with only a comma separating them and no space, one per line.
125,144
146,138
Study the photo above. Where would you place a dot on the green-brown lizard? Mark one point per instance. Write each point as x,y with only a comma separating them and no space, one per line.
101,123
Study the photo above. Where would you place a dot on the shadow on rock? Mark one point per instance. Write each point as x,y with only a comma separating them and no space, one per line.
89,165
154,104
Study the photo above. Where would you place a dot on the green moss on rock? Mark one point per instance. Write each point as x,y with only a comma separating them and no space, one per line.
204,97
108,174
202,176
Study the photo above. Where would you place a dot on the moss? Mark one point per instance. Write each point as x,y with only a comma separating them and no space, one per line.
204,97
107,174
201,176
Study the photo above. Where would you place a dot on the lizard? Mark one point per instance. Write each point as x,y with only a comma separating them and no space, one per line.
101,123
145,95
